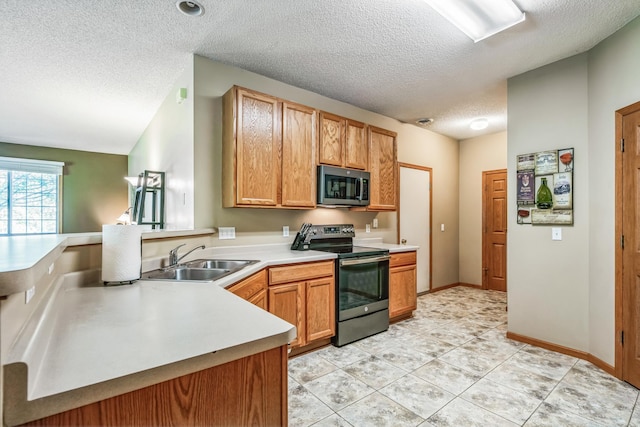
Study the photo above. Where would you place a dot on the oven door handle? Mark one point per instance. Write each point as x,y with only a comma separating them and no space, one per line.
360,261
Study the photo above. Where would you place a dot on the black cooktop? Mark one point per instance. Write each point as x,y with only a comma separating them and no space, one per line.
353,251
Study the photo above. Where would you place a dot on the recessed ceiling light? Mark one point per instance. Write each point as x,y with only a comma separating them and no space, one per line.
479,124
424,122
190,8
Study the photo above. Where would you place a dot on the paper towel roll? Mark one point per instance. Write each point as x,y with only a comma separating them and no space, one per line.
121,252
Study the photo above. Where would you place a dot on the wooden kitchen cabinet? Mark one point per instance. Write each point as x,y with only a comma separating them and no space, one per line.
252,139
253,289
304,295
268,151
299,136
382,166
342,142
402,285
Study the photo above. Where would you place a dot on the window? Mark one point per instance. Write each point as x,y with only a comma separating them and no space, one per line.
29,196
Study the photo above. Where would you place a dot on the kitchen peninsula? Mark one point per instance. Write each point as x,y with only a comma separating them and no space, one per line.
155,352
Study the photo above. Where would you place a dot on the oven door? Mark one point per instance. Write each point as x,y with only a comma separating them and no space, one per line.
363,286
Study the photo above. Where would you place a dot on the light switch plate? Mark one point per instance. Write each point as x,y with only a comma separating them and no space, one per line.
556,233
29,293
285,231
368,228
375,222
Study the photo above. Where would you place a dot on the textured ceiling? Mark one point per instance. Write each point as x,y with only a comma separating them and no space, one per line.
90,75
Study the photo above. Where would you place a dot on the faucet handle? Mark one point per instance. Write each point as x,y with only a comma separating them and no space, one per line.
173,254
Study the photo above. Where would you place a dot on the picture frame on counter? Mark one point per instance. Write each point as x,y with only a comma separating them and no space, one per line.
552,205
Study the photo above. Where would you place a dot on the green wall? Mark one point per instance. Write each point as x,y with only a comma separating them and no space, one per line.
94,191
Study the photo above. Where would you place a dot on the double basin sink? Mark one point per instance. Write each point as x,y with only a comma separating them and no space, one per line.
202,270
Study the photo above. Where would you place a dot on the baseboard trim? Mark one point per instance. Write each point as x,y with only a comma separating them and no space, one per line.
564,350
453,285
470,285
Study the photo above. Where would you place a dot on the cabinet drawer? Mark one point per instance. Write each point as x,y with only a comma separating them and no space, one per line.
402,258
300,272
250,286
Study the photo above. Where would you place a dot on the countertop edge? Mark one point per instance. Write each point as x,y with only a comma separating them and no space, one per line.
18,410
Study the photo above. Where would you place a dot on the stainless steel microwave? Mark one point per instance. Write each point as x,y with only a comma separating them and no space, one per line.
338,186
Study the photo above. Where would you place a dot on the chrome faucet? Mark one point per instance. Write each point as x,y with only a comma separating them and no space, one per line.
173,254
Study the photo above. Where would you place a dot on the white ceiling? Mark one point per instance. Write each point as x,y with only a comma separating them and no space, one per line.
89,75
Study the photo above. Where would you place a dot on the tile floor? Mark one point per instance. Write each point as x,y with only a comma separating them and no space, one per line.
451,365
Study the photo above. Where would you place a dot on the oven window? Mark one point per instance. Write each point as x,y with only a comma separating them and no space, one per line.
362,284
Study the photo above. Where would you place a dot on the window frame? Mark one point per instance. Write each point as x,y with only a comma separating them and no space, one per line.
14,164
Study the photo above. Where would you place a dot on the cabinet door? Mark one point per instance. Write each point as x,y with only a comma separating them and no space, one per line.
320,305
287,302
257,149
356,147
402,290
249,287
331,144
382,164
260,299
299,137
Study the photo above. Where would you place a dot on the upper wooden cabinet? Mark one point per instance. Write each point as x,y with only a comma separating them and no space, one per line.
268,151
342,143
299,136
382,166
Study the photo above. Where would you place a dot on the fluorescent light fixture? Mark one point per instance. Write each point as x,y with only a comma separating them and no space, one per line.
479,19
479,124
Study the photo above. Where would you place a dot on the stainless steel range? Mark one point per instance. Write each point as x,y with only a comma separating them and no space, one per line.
362,280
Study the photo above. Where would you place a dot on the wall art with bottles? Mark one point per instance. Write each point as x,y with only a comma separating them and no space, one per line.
545,187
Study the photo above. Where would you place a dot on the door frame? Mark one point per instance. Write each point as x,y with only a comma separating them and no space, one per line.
485,204
430,190
619,349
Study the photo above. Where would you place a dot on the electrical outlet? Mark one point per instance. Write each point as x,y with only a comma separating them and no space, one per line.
226,233
285,231
51,267
29,293
441,227
375,222
368,228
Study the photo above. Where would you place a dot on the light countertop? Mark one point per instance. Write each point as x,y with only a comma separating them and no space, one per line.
87,342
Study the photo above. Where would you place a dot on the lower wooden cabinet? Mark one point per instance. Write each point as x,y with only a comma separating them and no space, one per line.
304,295
402,285
253,289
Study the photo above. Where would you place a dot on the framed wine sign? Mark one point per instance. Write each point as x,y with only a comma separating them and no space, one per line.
545,187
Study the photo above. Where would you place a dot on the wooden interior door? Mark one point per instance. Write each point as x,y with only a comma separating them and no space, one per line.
628,124
494,226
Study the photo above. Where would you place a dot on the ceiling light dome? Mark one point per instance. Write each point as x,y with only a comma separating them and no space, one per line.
479,124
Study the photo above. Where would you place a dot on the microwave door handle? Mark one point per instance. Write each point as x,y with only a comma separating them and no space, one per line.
360,189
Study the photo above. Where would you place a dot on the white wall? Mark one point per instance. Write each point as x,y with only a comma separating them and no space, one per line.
614,83
548,294
477,155
572,103
425,148
167,146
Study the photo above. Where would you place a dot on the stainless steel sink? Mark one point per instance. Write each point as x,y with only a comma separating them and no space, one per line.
219,263
201,270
